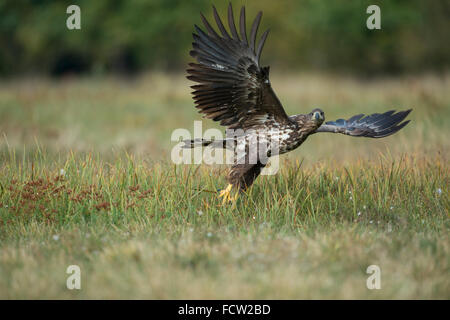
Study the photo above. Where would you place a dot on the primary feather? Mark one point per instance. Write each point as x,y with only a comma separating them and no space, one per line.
373,126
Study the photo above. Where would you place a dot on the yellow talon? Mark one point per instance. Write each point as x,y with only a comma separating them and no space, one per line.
226,194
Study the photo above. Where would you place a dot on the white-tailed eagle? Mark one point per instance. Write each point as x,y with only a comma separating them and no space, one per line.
233,88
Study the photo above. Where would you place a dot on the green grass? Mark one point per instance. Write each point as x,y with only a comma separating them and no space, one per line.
85,179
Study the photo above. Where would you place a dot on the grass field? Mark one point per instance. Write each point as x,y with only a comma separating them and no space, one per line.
86,179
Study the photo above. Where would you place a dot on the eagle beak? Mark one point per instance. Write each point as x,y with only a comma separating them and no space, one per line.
318,116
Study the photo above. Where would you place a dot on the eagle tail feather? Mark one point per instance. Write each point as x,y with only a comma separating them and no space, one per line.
193,143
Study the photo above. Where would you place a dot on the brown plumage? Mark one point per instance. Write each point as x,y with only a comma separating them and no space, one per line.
234,89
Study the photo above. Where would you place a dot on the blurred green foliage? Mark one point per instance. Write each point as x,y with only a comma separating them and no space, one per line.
134,35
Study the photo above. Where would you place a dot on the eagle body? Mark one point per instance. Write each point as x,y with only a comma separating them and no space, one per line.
277,138
252,151
235,90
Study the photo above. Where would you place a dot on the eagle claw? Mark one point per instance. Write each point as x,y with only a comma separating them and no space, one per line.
227,196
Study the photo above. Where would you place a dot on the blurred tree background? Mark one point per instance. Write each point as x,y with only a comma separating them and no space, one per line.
131,36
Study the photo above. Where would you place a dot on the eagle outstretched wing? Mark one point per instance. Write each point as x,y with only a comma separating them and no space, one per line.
233,88
373,126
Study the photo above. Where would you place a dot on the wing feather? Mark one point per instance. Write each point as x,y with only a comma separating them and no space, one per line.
242,27
254,31
372,126
233,88
208,27
231,23
261,44
220,24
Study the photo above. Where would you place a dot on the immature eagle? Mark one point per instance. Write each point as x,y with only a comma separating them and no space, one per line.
235,90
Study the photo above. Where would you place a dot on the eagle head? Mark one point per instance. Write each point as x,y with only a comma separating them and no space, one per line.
317,116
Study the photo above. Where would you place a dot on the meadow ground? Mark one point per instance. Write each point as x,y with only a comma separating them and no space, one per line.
86,179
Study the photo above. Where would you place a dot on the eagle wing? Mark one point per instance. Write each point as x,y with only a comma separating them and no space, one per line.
233,88
373,126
